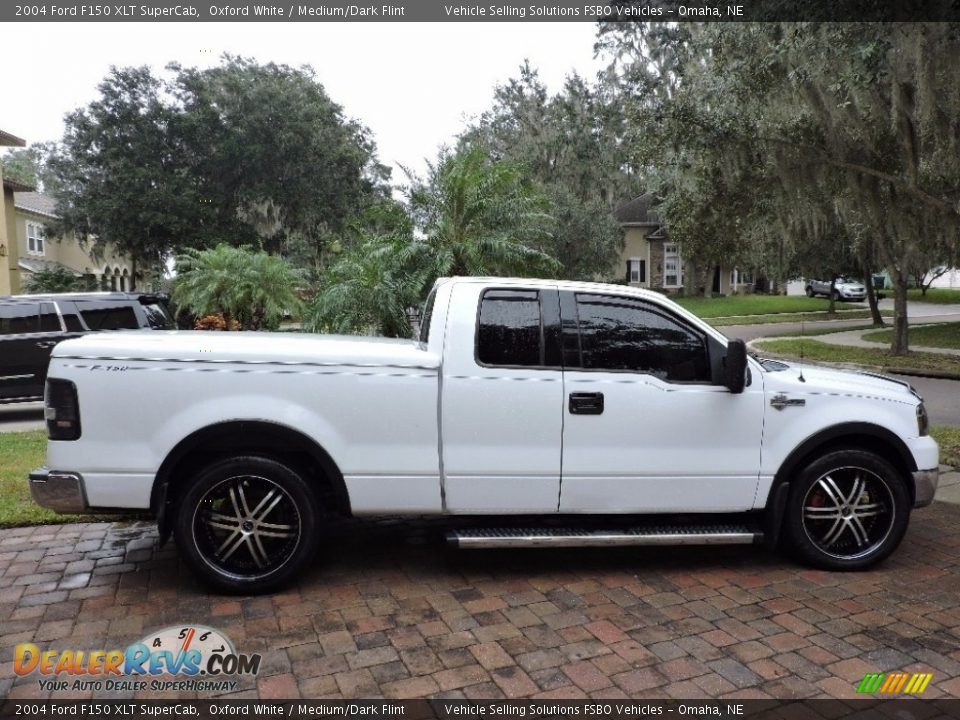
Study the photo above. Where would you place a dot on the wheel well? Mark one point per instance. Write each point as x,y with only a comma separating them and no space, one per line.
272,440
857,436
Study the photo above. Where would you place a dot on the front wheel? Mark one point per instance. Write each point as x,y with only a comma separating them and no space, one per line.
847,510
247,524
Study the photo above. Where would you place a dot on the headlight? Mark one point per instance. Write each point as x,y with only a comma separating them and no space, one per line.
923,422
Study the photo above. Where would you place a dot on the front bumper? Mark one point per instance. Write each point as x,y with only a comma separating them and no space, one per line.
62,492
925,484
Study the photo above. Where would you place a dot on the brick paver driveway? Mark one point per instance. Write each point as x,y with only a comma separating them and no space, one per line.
389,611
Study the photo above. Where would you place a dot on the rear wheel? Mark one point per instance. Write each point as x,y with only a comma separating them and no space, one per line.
247,524
847,510
810,292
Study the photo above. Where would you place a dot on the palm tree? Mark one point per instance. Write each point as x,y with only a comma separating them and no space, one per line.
476,217
370,289
251,287
482,217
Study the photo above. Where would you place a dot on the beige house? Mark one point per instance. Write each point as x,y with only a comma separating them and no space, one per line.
9,271
107,270
651,260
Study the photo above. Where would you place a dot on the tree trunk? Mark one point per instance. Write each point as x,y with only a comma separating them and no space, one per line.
900,345
872,298
833,295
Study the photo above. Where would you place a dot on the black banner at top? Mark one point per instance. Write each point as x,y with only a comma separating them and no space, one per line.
480,11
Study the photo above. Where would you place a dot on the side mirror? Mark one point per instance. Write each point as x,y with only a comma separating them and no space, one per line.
735,366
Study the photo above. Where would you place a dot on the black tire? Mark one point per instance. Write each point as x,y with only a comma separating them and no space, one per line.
810,292
846,510
247,524
835,295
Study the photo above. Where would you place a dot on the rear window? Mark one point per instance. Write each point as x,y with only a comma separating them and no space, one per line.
509,330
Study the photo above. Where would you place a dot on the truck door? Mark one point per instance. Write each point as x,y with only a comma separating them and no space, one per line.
501,400
646,427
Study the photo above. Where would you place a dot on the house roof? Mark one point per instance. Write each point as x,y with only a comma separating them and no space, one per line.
8,140
16,187
35,202
639,211
35,265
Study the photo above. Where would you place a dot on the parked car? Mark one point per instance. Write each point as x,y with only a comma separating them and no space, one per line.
31,325
844,289
560,413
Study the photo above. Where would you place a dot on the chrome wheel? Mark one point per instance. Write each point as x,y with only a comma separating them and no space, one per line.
848,512
246,526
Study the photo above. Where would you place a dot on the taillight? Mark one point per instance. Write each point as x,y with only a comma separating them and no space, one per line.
61,410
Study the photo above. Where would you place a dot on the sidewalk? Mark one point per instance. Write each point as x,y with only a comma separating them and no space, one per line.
855,338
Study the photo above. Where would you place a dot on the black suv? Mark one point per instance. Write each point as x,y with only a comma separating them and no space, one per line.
30,325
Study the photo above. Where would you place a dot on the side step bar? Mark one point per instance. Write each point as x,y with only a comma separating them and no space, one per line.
491,538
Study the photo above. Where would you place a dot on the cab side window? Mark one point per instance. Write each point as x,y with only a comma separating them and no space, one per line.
627,334
510,330
102,315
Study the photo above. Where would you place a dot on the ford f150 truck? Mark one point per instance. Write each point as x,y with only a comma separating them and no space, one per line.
561,413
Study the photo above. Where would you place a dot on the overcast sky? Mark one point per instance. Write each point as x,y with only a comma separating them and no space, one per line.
413,84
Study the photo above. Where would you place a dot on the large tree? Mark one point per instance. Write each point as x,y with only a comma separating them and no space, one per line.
815,124
119,172
570,145
255,153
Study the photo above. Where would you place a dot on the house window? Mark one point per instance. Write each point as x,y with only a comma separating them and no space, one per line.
35,239
636,270
672,274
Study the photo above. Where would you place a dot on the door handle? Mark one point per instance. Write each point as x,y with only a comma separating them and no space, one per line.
586,403
45,343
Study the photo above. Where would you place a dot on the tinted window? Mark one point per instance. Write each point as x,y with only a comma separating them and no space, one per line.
49,322
509,331
72,322
19,318
157,316
108,316
626,334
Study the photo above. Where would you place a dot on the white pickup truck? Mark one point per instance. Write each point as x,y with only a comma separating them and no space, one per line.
562,413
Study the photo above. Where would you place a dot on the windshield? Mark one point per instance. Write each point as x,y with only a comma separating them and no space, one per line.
157,316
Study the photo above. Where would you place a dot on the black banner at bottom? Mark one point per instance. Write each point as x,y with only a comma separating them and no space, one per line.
901,709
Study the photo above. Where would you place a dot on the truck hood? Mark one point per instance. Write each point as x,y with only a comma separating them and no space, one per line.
818,380
247,347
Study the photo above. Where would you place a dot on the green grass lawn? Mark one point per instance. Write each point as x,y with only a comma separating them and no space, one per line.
753,305
946,335
816,351
21,452
793,317
948,438
937,296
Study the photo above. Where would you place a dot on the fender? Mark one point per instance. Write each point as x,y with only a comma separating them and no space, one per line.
868,435
253,435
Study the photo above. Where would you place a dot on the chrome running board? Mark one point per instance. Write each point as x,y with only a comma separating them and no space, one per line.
491,538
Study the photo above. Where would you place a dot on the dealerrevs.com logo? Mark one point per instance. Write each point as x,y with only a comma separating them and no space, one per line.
198,657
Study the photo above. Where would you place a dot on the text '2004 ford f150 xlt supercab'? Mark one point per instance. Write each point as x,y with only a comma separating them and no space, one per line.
562,413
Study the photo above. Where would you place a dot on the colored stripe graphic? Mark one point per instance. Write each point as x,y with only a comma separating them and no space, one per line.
894,683
870,683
